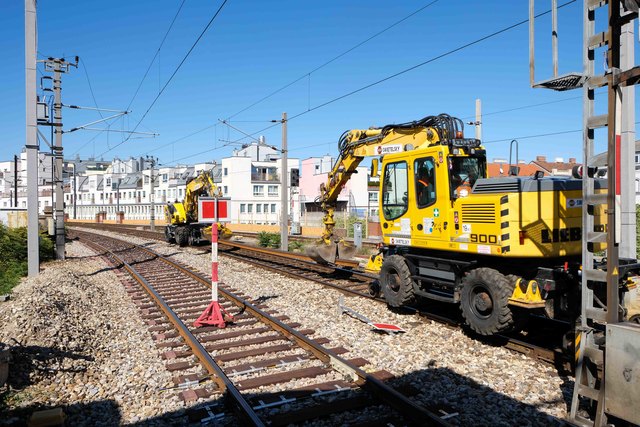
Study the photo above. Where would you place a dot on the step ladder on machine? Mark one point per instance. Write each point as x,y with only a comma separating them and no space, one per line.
607,367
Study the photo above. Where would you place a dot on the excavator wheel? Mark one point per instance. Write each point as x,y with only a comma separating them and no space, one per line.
167,236
484,301
396,282
182,236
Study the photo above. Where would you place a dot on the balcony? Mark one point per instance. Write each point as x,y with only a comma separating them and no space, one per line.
265,177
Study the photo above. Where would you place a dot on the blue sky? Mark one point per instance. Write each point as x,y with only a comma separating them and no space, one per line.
255,47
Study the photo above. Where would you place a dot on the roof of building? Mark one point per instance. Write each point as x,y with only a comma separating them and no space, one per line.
132,180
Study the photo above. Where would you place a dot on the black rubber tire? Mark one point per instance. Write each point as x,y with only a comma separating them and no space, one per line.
182,236
484,301
396,282
167,237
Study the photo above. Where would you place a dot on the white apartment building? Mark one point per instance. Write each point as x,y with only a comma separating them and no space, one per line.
251,177
125,186
8,177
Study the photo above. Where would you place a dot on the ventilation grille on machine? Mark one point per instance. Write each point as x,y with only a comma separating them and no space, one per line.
506,186
483,213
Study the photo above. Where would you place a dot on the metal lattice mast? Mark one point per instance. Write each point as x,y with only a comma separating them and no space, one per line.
605,349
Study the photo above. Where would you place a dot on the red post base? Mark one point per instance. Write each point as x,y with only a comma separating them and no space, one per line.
214,315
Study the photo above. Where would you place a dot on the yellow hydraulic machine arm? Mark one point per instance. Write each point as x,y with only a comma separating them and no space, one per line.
354,146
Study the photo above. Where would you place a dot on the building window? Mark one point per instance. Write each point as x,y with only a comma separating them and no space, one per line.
273,190
165,177
258,208
249,208
258,190
226,172
144,194
224,189
242,207
146,179
273,208
108,182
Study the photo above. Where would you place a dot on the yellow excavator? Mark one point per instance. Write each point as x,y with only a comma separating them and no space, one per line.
182,226
502,248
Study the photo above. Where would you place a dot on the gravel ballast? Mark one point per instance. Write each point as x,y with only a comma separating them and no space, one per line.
82,347
483,384
486,385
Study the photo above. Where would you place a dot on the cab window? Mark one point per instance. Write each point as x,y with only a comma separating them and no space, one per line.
425,179
464,172
395,190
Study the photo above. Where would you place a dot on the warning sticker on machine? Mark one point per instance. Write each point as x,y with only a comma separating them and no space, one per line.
400,241
484,249
427,224
574,203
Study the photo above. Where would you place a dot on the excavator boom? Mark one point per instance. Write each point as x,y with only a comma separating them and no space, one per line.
354,146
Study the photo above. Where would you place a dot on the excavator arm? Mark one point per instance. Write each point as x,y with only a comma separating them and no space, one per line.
354,146
195,188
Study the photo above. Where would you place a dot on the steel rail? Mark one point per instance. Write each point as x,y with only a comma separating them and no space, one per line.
405,407
401,403
542,354
244,409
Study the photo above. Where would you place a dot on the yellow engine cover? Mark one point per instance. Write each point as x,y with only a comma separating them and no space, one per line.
507,217
175,214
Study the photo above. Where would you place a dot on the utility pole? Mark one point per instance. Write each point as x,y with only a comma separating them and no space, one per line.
15,180
117,199
627,148
152,213
478,122
284,202
31,142
75,183
58,66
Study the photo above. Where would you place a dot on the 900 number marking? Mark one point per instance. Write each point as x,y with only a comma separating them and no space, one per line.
483,238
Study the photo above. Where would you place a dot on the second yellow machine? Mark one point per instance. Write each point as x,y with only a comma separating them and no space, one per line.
182,226
501,247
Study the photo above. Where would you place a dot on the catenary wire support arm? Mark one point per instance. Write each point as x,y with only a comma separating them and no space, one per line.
149,134
224,122
78,107
122,113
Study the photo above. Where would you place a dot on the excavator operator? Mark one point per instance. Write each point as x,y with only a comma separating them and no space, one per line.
463,176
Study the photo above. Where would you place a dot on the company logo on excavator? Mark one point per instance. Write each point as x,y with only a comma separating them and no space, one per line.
389,149
556,235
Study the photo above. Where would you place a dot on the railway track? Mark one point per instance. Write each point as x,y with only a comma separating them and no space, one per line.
543,341
260,370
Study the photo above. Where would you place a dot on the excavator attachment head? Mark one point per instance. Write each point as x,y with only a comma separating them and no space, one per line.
224,232
327,253
323,253
345,250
